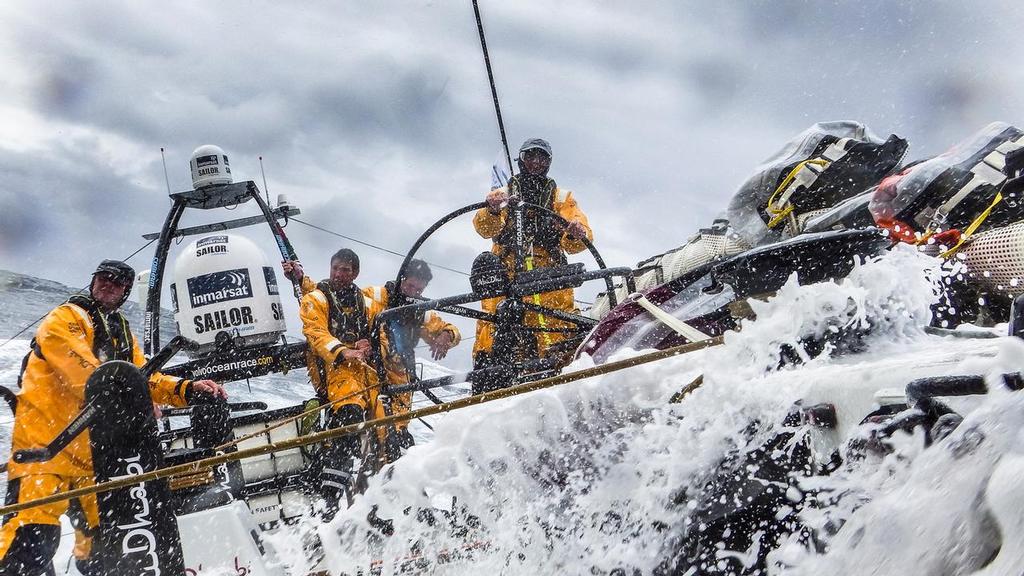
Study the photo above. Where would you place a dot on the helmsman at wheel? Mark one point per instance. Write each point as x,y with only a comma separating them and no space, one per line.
546,242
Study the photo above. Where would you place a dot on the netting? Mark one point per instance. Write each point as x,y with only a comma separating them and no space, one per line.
705,247
801,222
996,258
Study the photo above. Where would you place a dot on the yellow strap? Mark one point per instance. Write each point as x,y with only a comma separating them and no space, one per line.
779,214
974,225
546,336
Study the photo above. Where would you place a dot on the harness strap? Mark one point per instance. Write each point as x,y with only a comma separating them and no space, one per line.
35,348
545,335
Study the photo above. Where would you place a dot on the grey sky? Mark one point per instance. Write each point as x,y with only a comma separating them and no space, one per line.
376,118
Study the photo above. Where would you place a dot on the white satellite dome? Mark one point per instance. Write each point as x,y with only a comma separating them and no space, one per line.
209,166
224,284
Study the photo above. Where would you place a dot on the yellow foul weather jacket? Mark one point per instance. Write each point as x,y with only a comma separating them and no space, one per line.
490,225
53,391
335,378
430,329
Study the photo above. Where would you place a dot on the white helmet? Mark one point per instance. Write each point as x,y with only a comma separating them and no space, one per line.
209,166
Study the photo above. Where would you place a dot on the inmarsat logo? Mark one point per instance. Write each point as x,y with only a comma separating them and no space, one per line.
219,287
206,165
208,160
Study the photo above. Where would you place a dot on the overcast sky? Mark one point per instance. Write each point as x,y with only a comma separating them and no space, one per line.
375,118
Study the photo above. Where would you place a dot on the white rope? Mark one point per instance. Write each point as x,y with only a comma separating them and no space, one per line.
678,326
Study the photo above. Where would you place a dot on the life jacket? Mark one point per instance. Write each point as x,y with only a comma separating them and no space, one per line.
112,340
539,229
959,189
346,321
817,169
346,313
403,330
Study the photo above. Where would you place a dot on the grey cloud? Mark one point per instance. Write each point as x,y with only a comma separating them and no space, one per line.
657,111
70,205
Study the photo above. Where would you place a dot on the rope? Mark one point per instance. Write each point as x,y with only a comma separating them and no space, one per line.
494,88
291,419
780,214
200,465
969,231
374,246
80,290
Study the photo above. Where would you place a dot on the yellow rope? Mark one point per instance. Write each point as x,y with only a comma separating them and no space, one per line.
779,214
291,419
199,465
969,231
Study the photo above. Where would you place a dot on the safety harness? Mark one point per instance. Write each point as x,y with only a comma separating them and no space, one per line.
346,318
112,340
538,230
346,313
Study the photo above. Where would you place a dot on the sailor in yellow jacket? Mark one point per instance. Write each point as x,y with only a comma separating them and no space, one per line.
336,320
72,341
441,336
546,241
400,337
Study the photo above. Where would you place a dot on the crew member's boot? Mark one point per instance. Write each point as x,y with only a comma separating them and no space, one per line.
338,461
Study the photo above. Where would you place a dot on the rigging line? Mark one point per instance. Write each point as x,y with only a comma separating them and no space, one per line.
265,189
143,247
494,88
166,178
37,320
374,246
